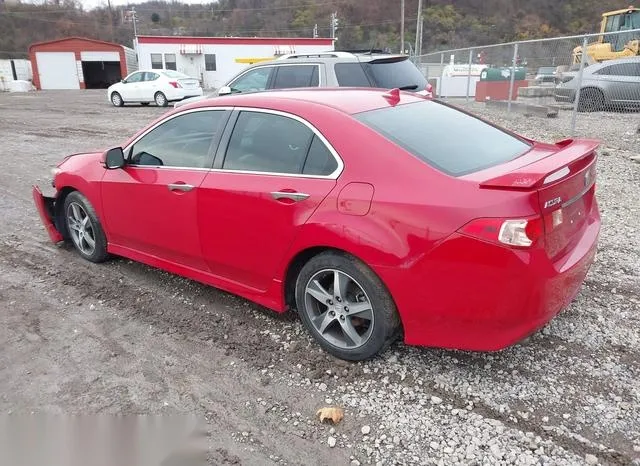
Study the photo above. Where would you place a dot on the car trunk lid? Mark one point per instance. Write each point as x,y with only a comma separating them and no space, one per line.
563,175
189,83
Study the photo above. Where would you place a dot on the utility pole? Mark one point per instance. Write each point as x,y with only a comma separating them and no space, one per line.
110,21
334,24
419,52
132,16
402,26
315,31
418,24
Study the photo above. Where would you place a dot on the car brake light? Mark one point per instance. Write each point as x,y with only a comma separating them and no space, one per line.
521,232
175,84
429,90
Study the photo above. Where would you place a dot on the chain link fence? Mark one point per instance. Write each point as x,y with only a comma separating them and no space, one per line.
550,78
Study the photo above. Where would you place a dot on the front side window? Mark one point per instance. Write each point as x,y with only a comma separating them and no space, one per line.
254,80
351,75
293,76
210,62
452,141
170,60
156,61
265,142
182,141
135,77
621,69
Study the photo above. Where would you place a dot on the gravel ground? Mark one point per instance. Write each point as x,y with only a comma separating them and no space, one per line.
124,338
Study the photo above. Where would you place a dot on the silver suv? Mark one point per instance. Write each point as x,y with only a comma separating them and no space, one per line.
327,69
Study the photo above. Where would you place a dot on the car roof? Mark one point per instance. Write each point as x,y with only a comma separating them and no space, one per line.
614,62
328,57
344,99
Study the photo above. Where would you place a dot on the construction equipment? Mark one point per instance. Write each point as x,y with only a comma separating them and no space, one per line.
613,41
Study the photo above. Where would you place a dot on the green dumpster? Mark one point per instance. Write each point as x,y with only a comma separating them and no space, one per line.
502,74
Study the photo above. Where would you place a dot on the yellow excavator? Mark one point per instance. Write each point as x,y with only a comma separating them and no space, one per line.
610,46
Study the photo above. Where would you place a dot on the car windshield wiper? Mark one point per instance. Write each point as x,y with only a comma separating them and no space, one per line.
409,88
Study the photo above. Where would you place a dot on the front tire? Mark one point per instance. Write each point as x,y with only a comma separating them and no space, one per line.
345,306
116,99
84,229
161,99
591,100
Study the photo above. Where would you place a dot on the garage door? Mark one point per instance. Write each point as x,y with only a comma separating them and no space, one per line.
57,70
99,56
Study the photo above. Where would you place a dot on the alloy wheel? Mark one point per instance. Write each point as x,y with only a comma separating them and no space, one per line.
339,309
81,229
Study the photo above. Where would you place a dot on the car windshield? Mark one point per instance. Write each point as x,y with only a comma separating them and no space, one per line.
396,72
174,74
452,141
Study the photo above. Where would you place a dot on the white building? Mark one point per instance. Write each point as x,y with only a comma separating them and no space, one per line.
215,60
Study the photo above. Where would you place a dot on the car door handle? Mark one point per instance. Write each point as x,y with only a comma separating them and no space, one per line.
180,187
296,197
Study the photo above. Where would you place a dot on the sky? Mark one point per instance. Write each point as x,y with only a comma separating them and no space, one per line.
88,4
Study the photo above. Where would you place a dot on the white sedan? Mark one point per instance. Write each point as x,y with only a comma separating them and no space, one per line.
159,86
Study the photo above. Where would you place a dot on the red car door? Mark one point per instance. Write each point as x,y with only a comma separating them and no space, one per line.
271,175
150,205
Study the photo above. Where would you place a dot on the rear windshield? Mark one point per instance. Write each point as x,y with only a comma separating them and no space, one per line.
174,74
395,72
451,141
546,70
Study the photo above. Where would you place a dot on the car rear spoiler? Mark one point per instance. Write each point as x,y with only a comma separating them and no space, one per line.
547,169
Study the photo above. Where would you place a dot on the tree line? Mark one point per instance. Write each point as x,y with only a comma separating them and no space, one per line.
361,23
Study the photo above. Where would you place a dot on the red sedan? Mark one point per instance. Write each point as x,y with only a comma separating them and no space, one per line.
373,213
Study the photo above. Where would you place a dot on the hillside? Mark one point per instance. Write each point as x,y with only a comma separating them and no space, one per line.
362,23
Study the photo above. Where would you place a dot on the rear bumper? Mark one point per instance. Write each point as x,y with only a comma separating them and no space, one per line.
180,93
45,209
471,295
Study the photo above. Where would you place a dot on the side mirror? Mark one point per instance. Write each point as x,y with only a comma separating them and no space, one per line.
224,90
123,81
114,158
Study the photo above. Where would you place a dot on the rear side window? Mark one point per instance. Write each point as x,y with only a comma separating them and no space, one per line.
319,160
390,73
296,76
351,75
447,139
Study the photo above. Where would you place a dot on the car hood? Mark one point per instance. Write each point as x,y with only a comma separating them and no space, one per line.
80,157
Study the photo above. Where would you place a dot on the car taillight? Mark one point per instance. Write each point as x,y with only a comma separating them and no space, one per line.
517,232
429,90
175,84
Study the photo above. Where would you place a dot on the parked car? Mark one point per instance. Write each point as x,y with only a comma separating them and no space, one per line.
610,84
363,209
159,86
330,69
546,74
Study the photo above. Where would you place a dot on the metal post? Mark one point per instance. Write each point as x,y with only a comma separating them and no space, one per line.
418,25
402,27
441,74
469,73
576,100
421,29
513,75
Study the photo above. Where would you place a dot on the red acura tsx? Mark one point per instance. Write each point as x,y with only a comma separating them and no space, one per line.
373,213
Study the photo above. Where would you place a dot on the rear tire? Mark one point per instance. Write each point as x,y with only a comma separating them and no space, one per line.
116,99
83,228
160,99
353,319
591,100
